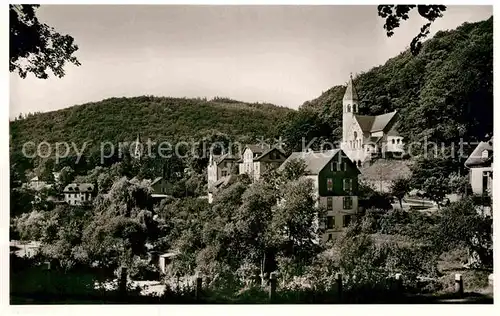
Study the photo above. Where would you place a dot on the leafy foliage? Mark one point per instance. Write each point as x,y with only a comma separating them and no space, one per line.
394,13
36,47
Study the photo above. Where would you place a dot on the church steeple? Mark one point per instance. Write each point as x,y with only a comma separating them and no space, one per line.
350,101
350,92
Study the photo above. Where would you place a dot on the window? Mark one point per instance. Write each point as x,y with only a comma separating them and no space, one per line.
347,220
329,237
347,202
334,166
329,203
347,185
393,141
348,108
329,184
485,181
330,222
399,140
484,154
345,166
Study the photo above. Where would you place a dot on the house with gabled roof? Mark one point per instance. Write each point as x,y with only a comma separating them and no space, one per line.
219,169
335,180
480,164
258,159
78,193
365,137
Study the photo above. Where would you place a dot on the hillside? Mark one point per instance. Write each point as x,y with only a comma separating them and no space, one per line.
159,118
444,93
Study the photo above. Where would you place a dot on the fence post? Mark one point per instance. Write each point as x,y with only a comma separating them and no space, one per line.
122,281
272,288
338,282
198,287
459,284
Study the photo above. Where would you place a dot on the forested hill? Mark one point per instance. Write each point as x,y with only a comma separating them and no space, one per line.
159,118
443,93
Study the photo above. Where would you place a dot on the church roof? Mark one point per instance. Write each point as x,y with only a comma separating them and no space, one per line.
374,123
350,91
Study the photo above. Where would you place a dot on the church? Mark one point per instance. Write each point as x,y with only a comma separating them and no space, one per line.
365,137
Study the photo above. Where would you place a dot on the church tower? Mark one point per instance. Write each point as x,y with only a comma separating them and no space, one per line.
350,107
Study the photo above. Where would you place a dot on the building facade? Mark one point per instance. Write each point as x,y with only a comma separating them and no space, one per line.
219,170
257,160
480,164
78,193
335,180
365,137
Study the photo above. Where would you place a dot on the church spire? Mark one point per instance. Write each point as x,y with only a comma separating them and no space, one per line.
350,91
137,149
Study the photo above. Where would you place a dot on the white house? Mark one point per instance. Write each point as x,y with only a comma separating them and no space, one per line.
256,160
480,164
78,193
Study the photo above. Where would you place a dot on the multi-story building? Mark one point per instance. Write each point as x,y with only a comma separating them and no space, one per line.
78,193
256,160
335,181
219,169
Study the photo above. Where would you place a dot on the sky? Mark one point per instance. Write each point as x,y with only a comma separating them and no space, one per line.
283,55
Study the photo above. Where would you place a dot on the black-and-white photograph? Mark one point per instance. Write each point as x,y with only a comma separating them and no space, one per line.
250,154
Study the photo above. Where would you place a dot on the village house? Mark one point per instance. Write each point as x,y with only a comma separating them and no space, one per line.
365,137
78,193
219,171
480,164
256,160
335,181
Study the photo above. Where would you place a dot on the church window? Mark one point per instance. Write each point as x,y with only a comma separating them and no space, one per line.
393,141
355,135
399,140
348,108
